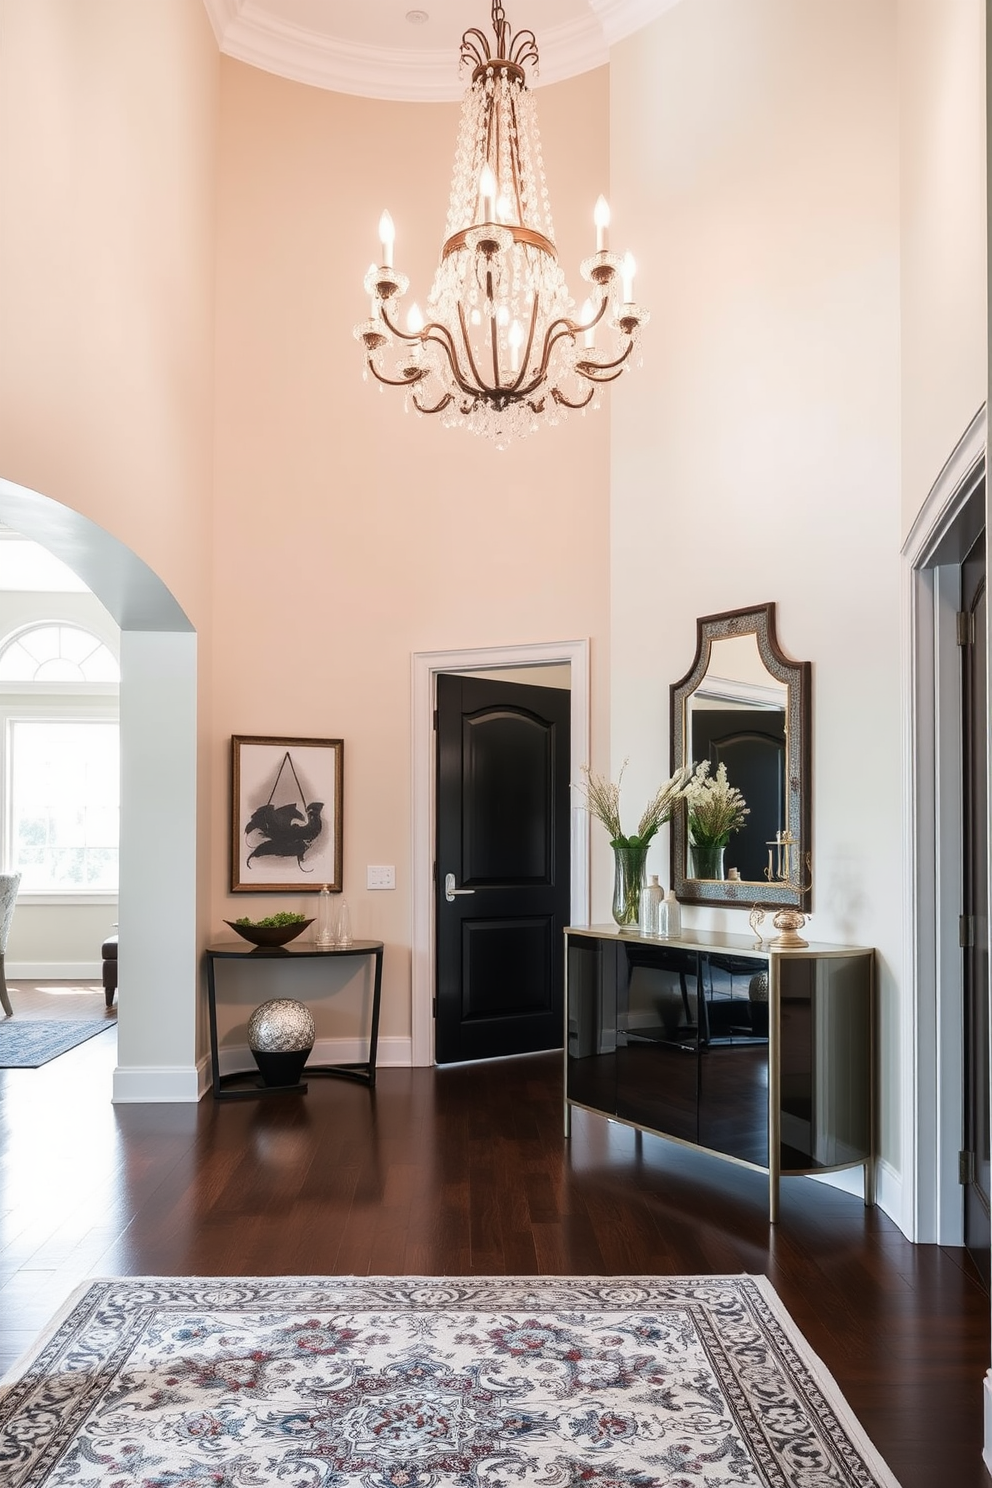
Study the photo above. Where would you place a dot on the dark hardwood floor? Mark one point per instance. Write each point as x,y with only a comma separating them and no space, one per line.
465,1170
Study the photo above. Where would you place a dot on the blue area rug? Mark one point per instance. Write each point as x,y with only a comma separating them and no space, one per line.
424,1382
29,1044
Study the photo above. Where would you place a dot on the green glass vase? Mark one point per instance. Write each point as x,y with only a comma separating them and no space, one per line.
629,864
705,862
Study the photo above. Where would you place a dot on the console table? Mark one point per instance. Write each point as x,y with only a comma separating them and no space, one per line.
294,952
763,1057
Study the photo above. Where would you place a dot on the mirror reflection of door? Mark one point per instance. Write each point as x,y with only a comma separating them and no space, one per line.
751,743
975,956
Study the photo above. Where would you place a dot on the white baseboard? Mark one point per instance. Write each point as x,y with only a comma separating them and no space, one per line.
53,971
987,1396
157,1084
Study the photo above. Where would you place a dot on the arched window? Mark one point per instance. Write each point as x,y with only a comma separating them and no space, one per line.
61,760
57,653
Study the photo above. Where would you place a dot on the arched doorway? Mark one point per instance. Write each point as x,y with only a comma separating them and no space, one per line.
157,1016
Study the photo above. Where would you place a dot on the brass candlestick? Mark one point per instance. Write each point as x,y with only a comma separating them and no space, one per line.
782,854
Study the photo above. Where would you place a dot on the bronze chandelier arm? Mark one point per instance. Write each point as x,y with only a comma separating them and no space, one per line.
414,375
471,357
609,377
590,324
559,397
589,369
437,408
480,54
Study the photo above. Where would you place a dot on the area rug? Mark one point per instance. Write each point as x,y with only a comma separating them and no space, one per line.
32,1043
419,1382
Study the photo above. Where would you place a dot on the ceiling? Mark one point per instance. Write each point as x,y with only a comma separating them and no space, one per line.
373,48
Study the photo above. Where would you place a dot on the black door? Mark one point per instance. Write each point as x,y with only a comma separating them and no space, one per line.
751,743
502,867
975,968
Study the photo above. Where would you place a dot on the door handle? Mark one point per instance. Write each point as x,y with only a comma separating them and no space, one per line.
449,888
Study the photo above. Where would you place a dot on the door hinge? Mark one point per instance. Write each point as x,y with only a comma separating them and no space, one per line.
435,720
966,627
966,931
966,1167
434,1008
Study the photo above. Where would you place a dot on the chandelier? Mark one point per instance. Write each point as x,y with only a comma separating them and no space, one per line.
498,351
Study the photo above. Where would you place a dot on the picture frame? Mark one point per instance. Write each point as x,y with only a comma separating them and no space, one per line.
282,789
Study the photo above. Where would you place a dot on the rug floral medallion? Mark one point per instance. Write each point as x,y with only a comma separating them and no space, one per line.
416,1382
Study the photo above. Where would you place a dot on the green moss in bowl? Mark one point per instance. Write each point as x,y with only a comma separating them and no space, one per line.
273,930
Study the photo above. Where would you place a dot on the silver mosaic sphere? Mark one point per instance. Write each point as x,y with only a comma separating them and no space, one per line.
281,1026
757,987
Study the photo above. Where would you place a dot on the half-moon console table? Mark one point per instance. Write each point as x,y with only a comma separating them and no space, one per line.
760,1056
295,951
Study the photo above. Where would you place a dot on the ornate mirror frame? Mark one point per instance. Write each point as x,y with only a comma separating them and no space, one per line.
797,679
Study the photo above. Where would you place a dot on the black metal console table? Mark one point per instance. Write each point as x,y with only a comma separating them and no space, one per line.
240,950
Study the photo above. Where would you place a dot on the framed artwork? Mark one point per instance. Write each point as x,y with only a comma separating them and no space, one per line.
285,815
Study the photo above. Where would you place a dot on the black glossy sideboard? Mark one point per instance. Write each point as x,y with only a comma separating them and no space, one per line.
763,1057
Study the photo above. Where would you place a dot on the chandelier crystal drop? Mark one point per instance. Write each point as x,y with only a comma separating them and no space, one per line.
498,350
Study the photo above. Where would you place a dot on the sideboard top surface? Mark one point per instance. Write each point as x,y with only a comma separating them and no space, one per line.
716,940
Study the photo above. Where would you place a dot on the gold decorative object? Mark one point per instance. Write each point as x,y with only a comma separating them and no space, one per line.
782,854
756,919
499,351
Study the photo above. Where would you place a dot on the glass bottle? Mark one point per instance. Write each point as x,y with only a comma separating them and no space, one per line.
670,917
324,933
652,895
343,936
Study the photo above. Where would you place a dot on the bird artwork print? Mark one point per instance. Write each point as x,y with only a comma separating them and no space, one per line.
288,830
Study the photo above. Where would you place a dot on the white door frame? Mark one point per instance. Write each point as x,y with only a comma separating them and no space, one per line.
426,666
934,1035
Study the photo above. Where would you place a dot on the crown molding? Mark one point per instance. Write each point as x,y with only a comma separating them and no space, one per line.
621,18
250,32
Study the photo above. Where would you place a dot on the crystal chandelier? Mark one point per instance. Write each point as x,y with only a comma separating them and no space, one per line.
498,351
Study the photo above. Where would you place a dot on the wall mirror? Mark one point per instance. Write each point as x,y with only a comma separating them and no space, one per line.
746,704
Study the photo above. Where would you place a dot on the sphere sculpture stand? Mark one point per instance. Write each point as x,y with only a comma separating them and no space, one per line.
281,1033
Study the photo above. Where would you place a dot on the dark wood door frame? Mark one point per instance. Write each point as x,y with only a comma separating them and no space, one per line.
426,665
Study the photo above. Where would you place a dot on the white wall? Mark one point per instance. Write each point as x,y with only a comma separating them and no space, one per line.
942,233
755,171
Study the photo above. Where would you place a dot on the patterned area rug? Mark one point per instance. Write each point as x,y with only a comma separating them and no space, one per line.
32,1043
419,1382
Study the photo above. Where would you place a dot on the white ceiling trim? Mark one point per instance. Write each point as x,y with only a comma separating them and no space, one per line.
621,18
250,32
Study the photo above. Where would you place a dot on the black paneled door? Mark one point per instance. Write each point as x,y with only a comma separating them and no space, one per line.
502,867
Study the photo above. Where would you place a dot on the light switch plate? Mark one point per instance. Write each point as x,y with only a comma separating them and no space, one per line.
380,876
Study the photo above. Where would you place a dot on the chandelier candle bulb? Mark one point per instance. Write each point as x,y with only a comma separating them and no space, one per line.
487,190
387,239
588,313
601,217
414,319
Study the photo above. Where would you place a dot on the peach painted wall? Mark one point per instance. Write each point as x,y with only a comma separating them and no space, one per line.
755,150
107,146
349,534
108,139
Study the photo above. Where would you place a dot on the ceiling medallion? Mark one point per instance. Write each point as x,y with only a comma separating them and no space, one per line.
498,351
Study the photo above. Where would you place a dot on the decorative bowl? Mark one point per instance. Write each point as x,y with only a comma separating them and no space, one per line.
270,935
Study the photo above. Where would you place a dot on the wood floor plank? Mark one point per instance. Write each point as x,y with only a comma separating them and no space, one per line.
465,1171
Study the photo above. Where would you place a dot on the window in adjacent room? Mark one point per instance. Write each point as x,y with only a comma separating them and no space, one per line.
61,748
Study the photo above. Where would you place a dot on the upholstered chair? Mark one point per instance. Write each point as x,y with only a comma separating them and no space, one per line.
8,898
